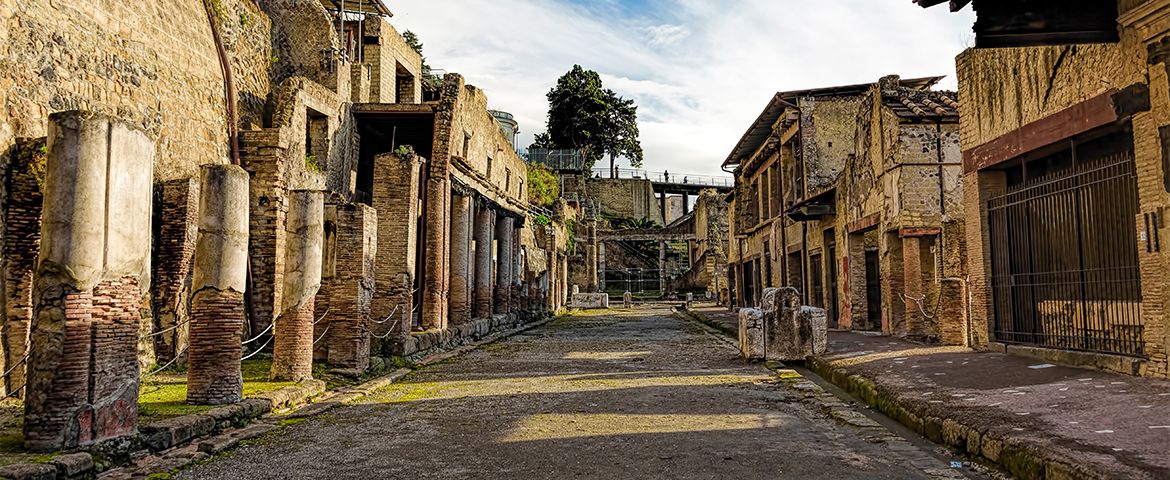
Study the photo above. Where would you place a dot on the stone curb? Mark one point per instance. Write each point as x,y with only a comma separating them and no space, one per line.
1020,458
200,449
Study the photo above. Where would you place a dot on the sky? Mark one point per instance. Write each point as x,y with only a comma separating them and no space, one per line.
700,71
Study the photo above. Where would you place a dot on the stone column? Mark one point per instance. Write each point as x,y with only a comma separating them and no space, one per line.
591,258
504,263
95,250
218,283
292,351
601,266
438,244
484,228
460,304
662,268
395,198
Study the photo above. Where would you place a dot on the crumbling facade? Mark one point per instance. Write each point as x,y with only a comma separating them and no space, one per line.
368,215
833,185
1064,170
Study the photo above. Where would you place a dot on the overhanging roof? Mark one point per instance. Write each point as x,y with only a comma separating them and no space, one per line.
762,127
372,7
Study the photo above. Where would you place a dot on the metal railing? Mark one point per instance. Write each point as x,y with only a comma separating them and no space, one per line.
1065,270
667,177
554,159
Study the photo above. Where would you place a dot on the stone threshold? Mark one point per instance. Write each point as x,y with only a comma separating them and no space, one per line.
174,443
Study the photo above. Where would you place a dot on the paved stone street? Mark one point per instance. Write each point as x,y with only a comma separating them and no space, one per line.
616,395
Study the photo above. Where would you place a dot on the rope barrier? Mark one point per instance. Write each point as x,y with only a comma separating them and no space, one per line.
17,364
322,335
177,325
159,369
258,350
323,315
14,392
261,334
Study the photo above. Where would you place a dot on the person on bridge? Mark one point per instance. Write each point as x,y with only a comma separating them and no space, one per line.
665,176
684,179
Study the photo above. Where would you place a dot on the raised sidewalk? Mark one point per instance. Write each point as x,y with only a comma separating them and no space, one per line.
1033,419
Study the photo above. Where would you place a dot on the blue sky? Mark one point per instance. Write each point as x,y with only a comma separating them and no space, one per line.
700,70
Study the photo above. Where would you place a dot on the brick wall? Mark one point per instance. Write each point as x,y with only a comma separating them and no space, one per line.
1008,89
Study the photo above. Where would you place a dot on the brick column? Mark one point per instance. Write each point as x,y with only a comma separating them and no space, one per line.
485,224
460,305
395,198
437,258
217,283
504,263
177,212
913,291
347,293
893,284
95,242
22,239
263,158
292,349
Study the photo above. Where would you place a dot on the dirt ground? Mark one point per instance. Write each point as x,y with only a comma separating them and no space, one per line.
633,394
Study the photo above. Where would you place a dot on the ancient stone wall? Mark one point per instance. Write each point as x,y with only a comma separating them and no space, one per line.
124,59
176,225
21,239
1006,90
386,59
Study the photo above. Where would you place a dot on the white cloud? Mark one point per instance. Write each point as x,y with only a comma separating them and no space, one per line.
665,35
700,71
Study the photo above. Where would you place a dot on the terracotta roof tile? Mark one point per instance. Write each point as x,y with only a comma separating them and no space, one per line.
907,102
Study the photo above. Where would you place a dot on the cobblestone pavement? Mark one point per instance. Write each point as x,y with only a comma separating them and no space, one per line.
633,394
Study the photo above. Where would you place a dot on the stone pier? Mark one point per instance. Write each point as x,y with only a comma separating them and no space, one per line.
218,285
484,230
395,198
292,351
95,248
460,295
22,238
505,268
344,300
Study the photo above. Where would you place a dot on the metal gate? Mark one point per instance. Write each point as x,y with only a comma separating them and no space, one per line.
1065,260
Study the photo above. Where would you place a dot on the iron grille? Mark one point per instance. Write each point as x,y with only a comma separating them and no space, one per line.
1065,260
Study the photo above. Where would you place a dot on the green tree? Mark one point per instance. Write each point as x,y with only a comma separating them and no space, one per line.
416,45
584,115
543,186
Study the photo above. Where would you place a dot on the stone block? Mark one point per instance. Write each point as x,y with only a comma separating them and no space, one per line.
793,332
751,334
72,464
29,471
590,300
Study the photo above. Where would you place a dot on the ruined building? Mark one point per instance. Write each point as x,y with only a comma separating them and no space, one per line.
1066,179
374,212
851,195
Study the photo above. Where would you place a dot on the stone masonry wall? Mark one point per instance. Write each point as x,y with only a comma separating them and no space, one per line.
152,63
1011,88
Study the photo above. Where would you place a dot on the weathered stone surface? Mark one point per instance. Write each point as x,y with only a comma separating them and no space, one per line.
793,332
751,334
590,300
29,471
73,464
